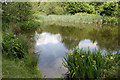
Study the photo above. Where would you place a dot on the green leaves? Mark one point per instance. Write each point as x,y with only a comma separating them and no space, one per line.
13,46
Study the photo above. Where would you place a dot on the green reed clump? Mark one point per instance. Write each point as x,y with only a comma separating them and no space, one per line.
91,64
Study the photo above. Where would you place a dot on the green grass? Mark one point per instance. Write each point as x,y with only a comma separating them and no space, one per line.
92,64
20,68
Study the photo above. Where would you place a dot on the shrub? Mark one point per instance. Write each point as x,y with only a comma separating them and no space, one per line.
90,64
111,20
58,10
30,24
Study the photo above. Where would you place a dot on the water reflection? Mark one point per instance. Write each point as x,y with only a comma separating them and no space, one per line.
52,51
87,43
106,36
52,43
46,38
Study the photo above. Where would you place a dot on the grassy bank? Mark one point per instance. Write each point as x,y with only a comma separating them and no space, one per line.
78,18
17,60
20,68
86,64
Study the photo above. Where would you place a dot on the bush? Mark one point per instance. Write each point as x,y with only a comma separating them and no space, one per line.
110,9
76,7
58,10
30,24
90,64
12,45
111,20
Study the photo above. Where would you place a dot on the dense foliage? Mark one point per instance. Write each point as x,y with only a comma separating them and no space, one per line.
109,9
77,7
92,64
106,8
52,8
103,8
16,12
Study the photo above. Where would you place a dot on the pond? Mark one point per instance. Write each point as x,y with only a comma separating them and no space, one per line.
53,41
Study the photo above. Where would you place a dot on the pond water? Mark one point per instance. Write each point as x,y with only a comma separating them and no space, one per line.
53,41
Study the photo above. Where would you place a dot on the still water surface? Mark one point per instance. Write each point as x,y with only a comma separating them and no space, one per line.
53,41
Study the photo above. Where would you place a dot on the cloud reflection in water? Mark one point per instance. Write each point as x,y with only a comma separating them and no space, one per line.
52,51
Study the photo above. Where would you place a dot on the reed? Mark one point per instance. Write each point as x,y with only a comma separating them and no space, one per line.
78,18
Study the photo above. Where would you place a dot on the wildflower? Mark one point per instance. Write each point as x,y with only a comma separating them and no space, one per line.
83,56
94,62
76,59
111,57
77,67
70,52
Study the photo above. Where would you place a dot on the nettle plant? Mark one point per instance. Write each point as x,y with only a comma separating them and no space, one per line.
13,46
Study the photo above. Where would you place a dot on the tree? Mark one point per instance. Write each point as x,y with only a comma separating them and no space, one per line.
76,7
52,8
110,9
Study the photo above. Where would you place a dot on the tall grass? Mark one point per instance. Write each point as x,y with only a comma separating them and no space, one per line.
86,64
78,18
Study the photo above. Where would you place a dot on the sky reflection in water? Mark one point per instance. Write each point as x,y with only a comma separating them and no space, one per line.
52,50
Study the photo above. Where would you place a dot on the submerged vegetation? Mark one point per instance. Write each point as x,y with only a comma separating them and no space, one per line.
92,64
